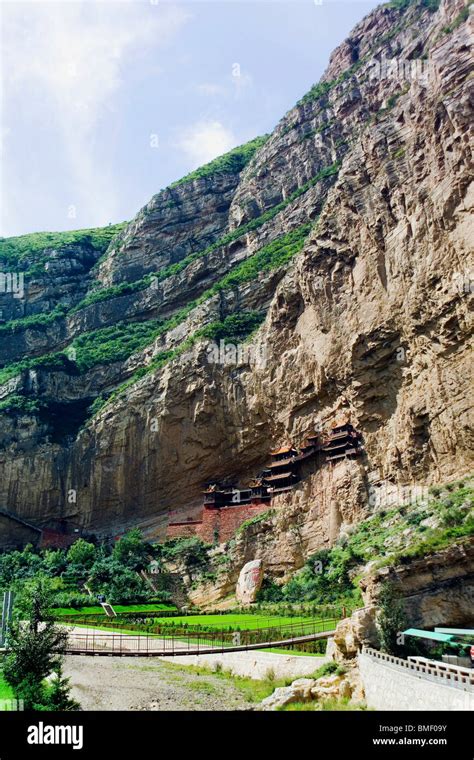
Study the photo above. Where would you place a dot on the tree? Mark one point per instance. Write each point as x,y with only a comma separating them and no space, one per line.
392,620
82,553
54,562
118,582
131,551
34,647
58,696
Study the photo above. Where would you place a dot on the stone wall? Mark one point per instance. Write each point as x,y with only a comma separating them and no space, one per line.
226,521
390,685
217,524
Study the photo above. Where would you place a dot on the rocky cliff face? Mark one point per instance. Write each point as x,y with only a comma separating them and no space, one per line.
367,181
436,588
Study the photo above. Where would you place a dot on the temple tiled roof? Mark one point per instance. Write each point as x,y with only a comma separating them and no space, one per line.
283,450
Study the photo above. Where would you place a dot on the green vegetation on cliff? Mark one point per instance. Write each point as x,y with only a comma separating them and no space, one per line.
273,256
118,342
235,327
402,5
16,404
20,252
391,536
38,321
462,16
126,288
114,291
56,361
230,163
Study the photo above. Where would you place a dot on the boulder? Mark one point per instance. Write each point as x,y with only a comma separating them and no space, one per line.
298,691
250,580
308,689
330,648
354,632
331,687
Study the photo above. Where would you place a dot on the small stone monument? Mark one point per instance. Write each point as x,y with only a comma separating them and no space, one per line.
250,580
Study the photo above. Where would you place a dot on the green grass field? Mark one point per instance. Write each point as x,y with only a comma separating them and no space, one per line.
225,623
234,621
60,611
5,690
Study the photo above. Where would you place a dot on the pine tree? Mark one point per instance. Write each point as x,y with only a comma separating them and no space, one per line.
34,650
58,697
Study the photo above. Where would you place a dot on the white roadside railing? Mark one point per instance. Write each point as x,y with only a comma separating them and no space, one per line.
442,672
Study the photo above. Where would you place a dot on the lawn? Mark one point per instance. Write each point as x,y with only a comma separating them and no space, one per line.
5,689
234,621
224,623
147,608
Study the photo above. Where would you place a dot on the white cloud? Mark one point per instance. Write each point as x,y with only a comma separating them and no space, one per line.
241,81
208,88
4,134
70,59
204,140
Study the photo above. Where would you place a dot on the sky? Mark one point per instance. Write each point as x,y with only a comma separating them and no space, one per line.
104,103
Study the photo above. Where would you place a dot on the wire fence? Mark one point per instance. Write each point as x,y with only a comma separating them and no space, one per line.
199,642
139,619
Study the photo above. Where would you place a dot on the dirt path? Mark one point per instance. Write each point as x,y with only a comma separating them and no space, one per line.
130,683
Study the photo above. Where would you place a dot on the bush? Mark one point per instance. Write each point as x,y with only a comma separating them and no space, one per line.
57,696
234,327
325,578
36,321
192,552
18,404
71,599
269,591
326,670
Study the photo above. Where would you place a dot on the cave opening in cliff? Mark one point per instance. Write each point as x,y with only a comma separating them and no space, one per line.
65,418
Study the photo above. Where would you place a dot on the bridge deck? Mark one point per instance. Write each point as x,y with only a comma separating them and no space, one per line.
179,649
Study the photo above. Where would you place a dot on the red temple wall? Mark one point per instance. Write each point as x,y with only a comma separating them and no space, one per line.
225,521
219,524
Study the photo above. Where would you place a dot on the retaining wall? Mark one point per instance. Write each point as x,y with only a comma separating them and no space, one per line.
394,684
